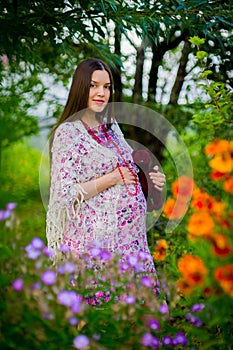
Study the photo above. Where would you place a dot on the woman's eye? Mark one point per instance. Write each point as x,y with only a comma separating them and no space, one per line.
92,85
107,87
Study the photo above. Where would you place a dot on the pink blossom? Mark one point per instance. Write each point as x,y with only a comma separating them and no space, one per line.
5,214
163,309
4,59
147,281
130,299
18,284
37,243
11,206
81,342
48,277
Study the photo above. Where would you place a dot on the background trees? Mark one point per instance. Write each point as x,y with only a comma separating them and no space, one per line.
54,35
145,42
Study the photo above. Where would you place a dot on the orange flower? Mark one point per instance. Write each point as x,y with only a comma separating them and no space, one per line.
221,246
218,212
174,209
183,187
192,269
216,147
228,185
184,287
224,276
219,208
202,200
222,162
160,249
225,224
216,175
200,223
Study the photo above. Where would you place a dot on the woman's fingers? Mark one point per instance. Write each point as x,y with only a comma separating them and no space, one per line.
157,178
127,177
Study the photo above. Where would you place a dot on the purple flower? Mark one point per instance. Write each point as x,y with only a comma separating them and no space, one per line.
197,307
194,319
71,299
123,266
95,252
65,298
64,248
105,255
49,252
18,284
142,255
163,309
147,339
48,277
5,214
35,286
147,281
155,343
180,339
68,267
198,322
139,268
132,260
73,321
96,336
11,206
130,299
37,243
154,324
81,342
167,340
75,307
32,252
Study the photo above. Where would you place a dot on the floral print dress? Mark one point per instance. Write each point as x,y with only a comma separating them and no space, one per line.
112,219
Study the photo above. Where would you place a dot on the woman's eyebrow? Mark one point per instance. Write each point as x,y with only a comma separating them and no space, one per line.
97,82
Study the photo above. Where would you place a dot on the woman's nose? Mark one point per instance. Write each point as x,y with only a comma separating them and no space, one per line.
101,90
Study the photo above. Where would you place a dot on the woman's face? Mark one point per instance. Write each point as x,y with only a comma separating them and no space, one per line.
99,92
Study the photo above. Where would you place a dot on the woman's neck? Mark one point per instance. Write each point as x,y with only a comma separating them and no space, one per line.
90,120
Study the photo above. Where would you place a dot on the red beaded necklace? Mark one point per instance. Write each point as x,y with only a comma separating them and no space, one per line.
97,139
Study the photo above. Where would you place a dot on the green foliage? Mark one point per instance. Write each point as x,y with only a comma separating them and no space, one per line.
27,27
195,40
219,109
18,94
19,174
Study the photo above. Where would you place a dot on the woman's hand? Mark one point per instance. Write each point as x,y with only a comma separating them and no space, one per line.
157,178
123,176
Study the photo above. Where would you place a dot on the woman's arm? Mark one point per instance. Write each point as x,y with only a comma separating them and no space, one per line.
106,181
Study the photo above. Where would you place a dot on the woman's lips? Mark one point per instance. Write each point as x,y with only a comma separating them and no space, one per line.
99,102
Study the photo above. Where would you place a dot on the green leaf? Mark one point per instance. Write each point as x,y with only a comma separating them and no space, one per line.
195,40
206,73
202,54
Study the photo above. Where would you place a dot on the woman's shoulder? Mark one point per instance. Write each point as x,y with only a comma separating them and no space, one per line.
67,128
115,126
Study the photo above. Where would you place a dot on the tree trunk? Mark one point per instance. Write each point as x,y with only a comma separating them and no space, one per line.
180,74
153,76
117,71
137,90
158,51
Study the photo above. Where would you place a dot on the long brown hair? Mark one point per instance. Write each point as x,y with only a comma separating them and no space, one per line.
79,90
